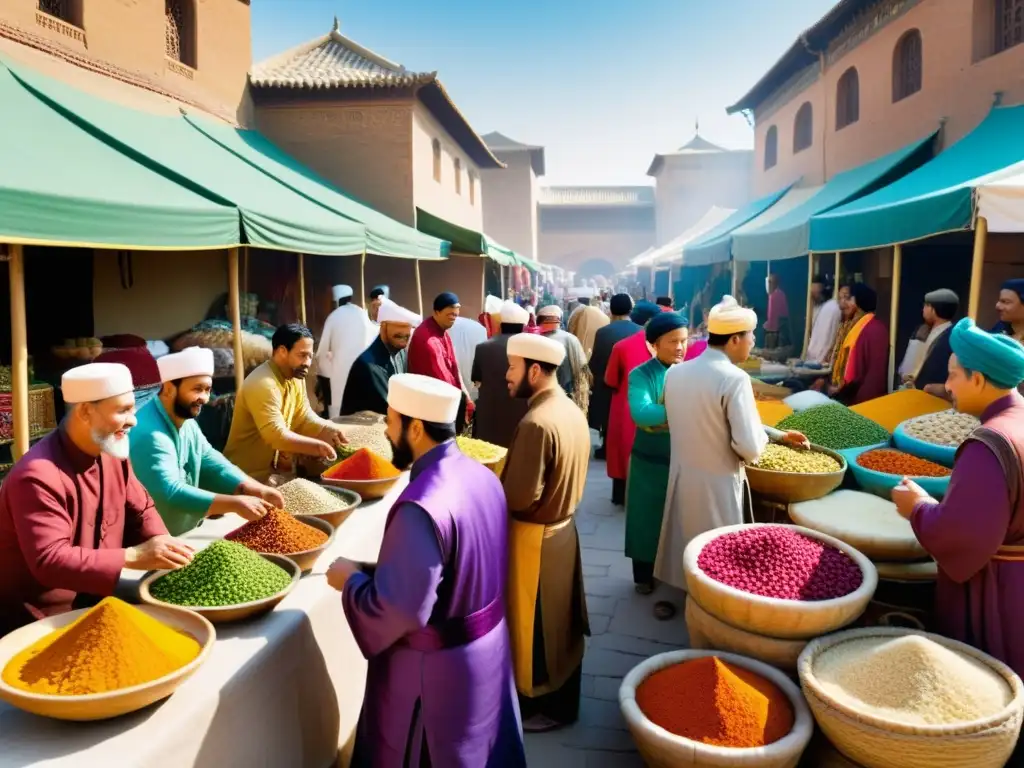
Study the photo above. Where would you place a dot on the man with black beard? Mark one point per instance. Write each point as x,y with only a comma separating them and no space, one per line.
188,479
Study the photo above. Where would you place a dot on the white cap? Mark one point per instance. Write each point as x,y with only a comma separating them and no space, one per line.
423,398
535,347
492,305
340,292
551,310
728,317
584,292
193,361
513,313
95,381
390,312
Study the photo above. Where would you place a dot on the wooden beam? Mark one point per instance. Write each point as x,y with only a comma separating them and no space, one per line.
501,270
977,267
19,351
894,309
245,271
838,276
362,281
302,289
419,287
483,283
236,317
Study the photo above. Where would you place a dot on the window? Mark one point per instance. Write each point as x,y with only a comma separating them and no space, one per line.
472,188
906,66
457,168
1009,24
436,147
848,99
803,128
65,10
181,31
771,148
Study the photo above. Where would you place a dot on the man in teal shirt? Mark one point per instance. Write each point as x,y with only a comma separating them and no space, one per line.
188,479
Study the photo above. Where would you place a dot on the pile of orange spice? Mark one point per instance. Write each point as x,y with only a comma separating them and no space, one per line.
717,703
364,464
893,462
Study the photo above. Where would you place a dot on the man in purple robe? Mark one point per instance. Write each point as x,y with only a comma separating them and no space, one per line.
976,534
431,617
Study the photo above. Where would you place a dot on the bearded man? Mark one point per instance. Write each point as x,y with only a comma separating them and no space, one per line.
367,387
187,477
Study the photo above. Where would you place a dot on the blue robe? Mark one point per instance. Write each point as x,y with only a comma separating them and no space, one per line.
648,461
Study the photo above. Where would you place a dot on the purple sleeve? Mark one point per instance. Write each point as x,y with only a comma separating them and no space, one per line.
400,597
964,531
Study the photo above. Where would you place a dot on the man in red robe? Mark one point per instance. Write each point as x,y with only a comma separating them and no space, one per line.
432,353
72,512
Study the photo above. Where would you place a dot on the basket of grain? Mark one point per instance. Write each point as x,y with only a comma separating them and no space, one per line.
898,698
707,632
490,455
787,475
306,499
669,704
782,581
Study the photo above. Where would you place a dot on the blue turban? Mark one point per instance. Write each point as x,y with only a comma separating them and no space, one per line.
1000,359
445,300
644,311
1016,285
662,323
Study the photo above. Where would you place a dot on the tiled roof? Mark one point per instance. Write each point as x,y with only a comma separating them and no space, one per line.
499,142
597,196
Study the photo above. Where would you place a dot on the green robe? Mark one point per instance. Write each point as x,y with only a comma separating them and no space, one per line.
649,461
179,468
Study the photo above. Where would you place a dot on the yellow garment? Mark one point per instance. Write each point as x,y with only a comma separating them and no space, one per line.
525,541
843,358
889,411
267,408
772,411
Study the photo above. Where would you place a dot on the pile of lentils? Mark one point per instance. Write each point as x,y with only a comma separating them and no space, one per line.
278,533
947,428
835,426
302,497
775,561
782,458
225,573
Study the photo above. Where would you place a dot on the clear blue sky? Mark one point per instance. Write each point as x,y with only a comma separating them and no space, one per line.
601,84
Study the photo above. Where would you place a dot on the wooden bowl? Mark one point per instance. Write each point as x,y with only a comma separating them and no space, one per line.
223,614
101,706
774,617
348,501
307,558
877,742
367,489
661,749
708,632
791,487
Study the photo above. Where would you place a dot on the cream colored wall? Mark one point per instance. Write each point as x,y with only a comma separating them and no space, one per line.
440,198
510,204
171,292
570,248
686,187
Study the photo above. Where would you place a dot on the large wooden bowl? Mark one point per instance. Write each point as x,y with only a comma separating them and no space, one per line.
347,501
101,706
791,487
307,558
774,617
224,614
367,489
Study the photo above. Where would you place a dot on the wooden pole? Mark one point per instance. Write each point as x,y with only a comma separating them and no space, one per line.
302,289
245,271
894,309
977,267
362,279
483,282
236,317
501,269
810,303
838,276
419,287
19,351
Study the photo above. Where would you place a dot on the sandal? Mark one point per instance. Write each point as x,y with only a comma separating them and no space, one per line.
540,724
643,589
664,610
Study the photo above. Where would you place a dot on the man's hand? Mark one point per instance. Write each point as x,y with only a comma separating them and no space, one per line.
796,440
270,495
906,495
937,390
158,554
332,436
340,571
833,390
326,451
249,507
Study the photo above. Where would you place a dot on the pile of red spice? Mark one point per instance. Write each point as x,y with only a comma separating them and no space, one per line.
714,702
364,464
775,561
278,533
903,464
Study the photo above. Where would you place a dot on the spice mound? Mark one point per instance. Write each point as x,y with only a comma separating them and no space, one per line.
713,702
278,533
892,462
364,464
782,458
482,451
773,561
112,646
947,428
835,426
225,573
910,680
302,497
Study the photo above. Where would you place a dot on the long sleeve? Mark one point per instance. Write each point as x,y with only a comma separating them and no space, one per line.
216,473
436,348
400,597
155,462
969,525
748,437
306,422
643,406
526,469
265,404
613,372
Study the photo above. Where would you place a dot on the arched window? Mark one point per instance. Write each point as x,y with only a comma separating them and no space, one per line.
771,147
457,167
906,66
848,99
180,34
803,128
436,147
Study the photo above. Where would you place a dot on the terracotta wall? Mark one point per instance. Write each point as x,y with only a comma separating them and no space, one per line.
462,275
510,204
442,198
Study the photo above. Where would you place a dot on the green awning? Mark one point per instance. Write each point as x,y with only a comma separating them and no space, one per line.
60,185
789,235
273,216
935,198
464,240
713,246
384,235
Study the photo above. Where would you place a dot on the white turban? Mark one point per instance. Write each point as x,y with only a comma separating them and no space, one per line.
492,305
93,382
514,314
424,398
193,361
340,292
584,292
532,346
390,312
551,310
728,317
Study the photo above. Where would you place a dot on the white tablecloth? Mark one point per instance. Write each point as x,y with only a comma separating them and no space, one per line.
281,691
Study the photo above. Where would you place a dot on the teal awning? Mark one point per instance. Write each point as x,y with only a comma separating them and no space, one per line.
384,235
713,246
935,198
273,216
464,240
60,185
789,235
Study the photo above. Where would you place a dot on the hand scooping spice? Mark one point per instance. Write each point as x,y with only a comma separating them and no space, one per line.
112,646
773,561
835,426
893,462
225,573
717,703
278,533
364,464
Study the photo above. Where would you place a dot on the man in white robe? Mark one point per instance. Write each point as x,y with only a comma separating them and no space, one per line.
347,332
466,335
715,428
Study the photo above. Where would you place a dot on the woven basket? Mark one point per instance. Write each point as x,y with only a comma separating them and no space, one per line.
876,742
662,749
706,631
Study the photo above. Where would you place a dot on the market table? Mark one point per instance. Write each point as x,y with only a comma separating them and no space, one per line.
283,690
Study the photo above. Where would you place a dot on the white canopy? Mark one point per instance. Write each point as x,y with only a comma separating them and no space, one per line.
1000,199
673,249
